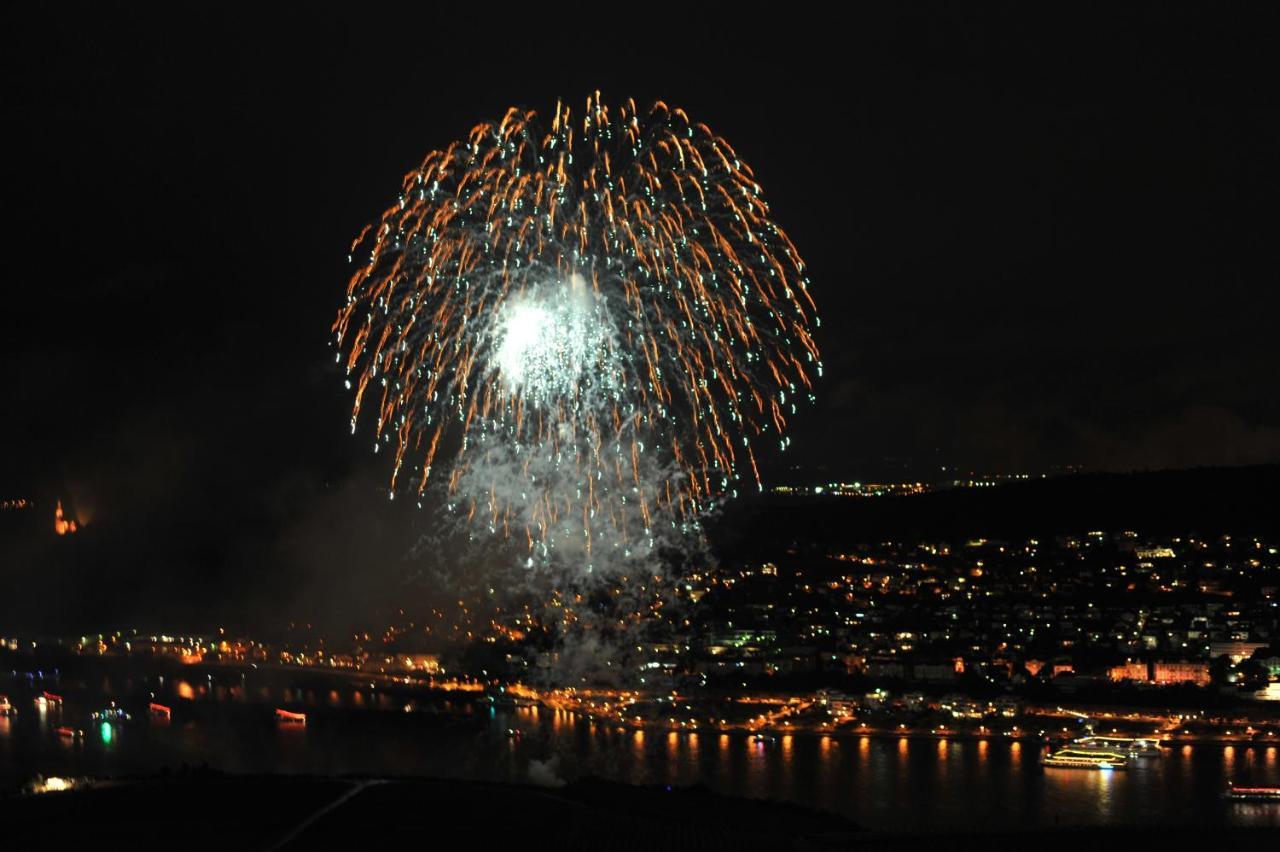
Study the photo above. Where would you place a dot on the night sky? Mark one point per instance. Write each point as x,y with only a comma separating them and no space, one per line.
1035,243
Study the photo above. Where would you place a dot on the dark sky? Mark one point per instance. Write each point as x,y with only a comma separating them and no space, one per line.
1035,242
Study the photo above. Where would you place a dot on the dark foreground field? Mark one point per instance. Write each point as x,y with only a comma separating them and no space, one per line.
197,811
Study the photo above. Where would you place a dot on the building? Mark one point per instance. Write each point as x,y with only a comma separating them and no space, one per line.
838,703
1172,673
424,663
1236,651
1130,671
62,525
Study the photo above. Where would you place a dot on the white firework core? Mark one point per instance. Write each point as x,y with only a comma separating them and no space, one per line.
551,343
529,343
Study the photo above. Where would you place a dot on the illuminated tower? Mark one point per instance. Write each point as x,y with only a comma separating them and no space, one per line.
60,524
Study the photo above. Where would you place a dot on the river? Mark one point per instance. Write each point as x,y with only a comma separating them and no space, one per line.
883,783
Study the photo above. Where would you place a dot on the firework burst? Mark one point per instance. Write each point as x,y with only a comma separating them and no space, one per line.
583,330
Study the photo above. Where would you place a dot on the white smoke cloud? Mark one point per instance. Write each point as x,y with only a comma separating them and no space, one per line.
546,773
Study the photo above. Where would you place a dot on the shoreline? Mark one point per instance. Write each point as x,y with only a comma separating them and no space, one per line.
1035,725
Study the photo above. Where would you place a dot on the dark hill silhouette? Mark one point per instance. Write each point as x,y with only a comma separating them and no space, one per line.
1202,501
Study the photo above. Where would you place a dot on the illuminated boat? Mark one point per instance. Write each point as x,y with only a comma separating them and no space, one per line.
53,784
70,733
48,699
1133,746
765,738
6,709
1252,794
288,717
1086,758
159,710
110,714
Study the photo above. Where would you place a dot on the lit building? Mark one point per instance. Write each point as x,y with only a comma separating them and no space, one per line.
426,663
1236,651
61,525
1169,673
1130,671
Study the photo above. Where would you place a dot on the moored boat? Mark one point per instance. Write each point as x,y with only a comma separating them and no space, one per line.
1086,758
288,717
1132,746
1252,794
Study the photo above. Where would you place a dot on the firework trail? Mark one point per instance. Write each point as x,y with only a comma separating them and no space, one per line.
582,330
